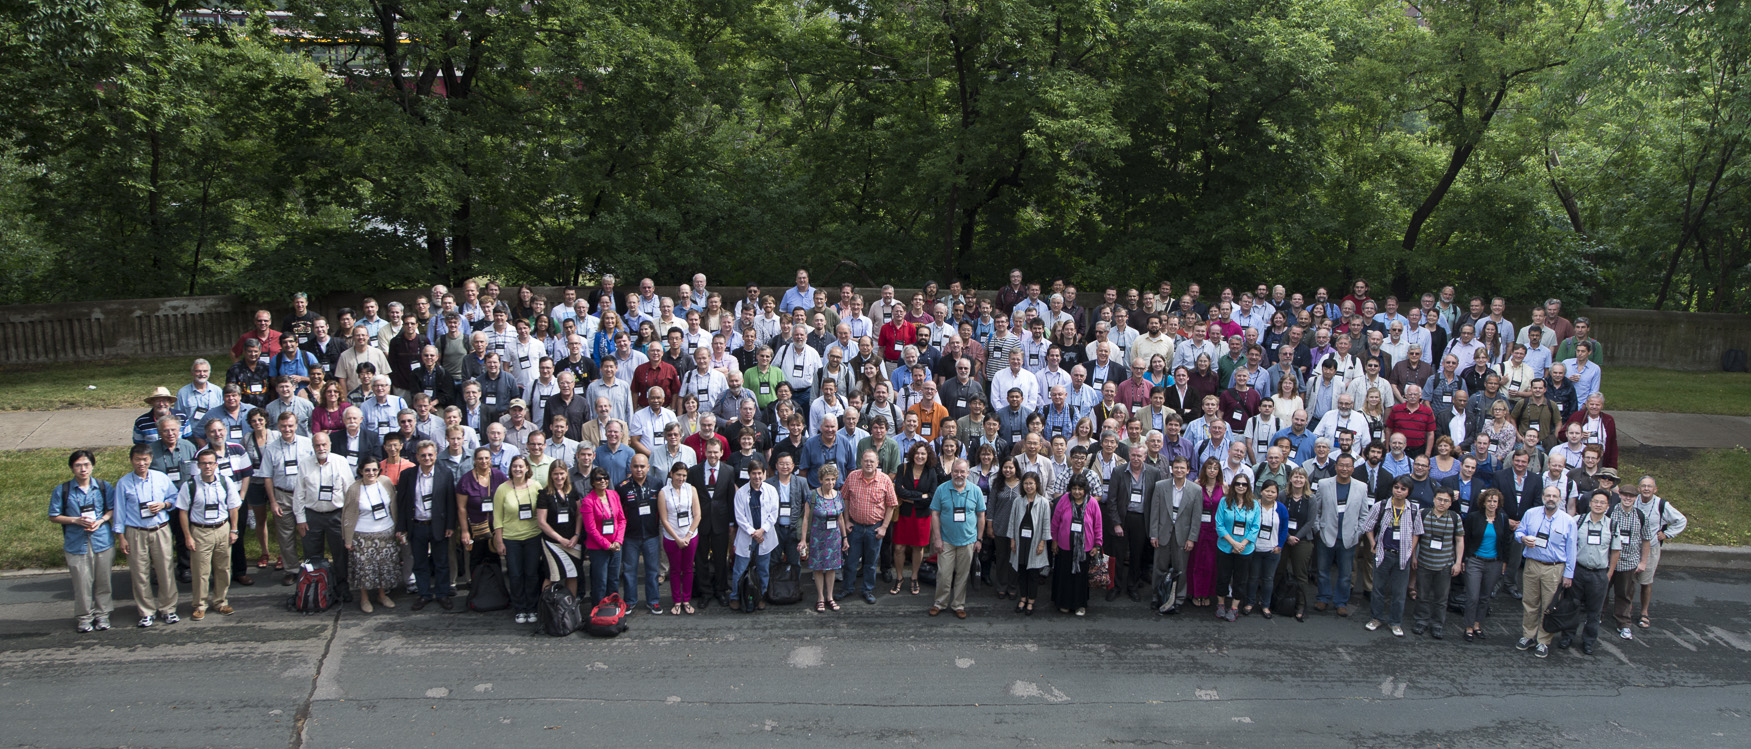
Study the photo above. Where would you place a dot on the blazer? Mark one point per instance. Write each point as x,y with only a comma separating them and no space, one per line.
1507,549
370,443
714,500
350,508
1118,500
1609,425
1189,408
799,498
1530,496
443,498
1325,511
1170,528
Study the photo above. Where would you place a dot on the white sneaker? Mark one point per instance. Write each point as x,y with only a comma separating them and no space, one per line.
1626,634
1397,631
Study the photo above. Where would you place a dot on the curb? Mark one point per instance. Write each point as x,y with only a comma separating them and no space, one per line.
1697,556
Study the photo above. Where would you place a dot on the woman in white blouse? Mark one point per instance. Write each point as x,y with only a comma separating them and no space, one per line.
368,529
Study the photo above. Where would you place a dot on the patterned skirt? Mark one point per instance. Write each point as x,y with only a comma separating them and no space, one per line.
825,548
375,561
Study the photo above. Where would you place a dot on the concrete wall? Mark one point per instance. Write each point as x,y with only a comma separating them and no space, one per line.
189,326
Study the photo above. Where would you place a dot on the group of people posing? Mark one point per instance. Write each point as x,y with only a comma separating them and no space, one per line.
1165,446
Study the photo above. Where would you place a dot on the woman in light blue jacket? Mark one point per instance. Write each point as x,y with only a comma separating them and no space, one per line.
1237,529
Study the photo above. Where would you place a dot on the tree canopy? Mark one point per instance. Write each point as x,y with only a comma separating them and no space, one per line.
1587,149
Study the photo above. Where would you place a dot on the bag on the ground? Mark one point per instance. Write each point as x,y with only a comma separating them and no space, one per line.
786,587
314,593
487,592
557,612
1456,599
1288,597
747,591
1733,360
927,573
1167,591
1564,611
608,617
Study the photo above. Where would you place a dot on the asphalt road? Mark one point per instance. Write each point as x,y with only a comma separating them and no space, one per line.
883,674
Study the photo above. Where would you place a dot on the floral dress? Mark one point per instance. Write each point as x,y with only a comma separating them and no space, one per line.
825,541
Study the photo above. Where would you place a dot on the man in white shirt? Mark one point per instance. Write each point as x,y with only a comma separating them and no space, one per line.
707,384
648,424
799,362
1014,376
1345,418
317,498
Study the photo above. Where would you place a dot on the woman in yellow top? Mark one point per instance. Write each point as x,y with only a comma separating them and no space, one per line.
517,537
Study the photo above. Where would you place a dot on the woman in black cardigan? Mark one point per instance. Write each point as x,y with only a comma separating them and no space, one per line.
1489,549
914,484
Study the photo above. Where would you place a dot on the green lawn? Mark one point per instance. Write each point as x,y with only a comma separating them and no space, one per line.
27,538
1647,389
1708,486
110,384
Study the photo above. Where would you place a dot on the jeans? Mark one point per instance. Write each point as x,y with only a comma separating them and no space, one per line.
1340,557
861,557
1390,583
431,561
1262,584
630,551
522,572
604,573
762,568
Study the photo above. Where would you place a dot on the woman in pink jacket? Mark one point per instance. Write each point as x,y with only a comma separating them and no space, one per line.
604,529
1076,533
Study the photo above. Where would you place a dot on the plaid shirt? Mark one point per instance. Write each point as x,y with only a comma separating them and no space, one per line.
867,500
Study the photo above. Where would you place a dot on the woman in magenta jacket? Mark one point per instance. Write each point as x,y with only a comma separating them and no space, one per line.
604,525
1076,533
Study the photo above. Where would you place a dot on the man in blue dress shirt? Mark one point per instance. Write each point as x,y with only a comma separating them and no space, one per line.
143,502
1548,535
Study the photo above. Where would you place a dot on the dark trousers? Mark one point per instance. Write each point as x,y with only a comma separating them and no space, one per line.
1132,569
712,566
1591,586
324,530
522,558
786,551
1003,576
1433,586
431,561
181,544
1232,574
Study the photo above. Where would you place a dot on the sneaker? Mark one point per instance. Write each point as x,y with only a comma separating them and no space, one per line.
1419,629
1397,631
1082,612
84,627
1232,615
102,623
1625,633
1543,651
170,617
1525,643
145,621
517,617
1373,624
1221,612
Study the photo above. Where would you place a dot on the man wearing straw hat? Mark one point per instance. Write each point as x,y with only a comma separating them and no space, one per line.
162,403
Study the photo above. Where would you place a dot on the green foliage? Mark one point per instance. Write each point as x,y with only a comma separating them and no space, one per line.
1590,150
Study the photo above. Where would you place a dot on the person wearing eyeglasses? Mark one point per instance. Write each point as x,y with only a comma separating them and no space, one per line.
604,532
368,532
516,537
209,505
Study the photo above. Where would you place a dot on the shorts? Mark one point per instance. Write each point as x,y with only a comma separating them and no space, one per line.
256,494
1646,576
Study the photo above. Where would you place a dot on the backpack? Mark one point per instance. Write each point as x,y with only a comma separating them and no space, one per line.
1167,593
747,592
786,587
557,612
608,617
1733,360
1287,598
314,593
488,591
1564,611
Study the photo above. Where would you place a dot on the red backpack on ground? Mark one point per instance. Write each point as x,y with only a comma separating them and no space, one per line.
608,618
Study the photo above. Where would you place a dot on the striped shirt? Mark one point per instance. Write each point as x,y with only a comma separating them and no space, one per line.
1440,539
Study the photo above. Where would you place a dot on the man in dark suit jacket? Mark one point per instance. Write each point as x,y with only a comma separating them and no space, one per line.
1522,489
1126,507
370,444
715,480
424,499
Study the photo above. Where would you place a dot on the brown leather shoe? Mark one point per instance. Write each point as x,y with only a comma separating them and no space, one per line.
225,609
1319,607
934,610
1343,611
243,580
960,614
198,615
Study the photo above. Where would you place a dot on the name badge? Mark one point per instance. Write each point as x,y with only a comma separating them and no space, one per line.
1294,525
644,510
742,474
684,519
291,466
88,512
237,433
960,403
426,503
353,461
1435,544
897,347
383,427
199,412
415,367
523,361
1204,518
525,512
491,399
1266,534
924,429
256,388
1238,416
1136,500
1027,533
211,514
765,389
1542,539
380,511
1239,528
1595,537
960,515
1076,526
486,505
1448,399
796,371
323,492
429,392
607,527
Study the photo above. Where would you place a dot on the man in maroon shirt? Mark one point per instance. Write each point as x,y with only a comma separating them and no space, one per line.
655,373
1414,419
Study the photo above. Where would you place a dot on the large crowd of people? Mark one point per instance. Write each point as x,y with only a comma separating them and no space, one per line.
1216,455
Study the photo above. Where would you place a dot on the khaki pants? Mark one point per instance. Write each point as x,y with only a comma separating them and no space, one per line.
1539,583
286,530
211,561
1363,570
150,552
90,573
953,566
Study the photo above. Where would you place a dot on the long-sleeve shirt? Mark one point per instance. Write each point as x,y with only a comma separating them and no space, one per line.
319,485
1556,534
1236,524
133,493
604,521
1063,529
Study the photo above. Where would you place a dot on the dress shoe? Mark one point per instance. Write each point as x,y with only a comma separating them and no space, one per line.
243,580
1135,596
1112,593
288,579
960,614
1343,611
444,603
869,598
934,611
225,609
420,604
198,615
1587,647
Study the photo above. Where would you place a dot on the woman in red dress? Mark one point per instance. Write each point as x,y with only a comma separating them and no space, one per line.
914,484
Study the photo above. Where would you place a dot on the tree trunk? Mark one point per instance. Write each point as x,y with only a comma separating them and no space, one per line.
1455,164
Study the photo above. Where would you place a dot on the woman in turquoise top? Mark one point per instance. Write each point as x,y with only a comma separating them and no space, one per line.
1237,529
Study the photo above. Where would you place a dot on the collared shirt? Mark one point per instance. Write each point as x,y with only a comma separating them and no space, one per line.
617,462
1556,536
209,502
282,460
1595,540
196,403
422,493
1631,532
133,493
320,485
958,510
869,498
68,500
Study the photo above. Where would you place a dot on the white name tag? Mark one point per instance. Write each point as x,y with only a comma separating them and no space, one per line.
607,527
1027,533
1435,544
1076,527
644,510
960,403
960,515
1595,538
491,399
486,505
1204,518
1294,525
211,515
525,512
291,467
1539,542
684,519
380,511
240,462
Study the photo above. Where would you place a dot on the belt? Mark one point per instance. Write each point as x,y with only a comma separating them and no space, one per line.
147,527
204,525
321,512
1540,561
1592,569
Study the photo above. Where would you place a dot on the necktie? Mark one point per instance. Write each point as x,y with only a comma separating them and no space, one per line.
712,478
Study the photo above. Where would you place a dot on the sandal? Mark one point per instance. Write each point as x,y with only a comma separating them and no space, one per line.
820,607
279,566
1020,607
264,561
675,610
833,604
688,607
914,586
896,590
1645,622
